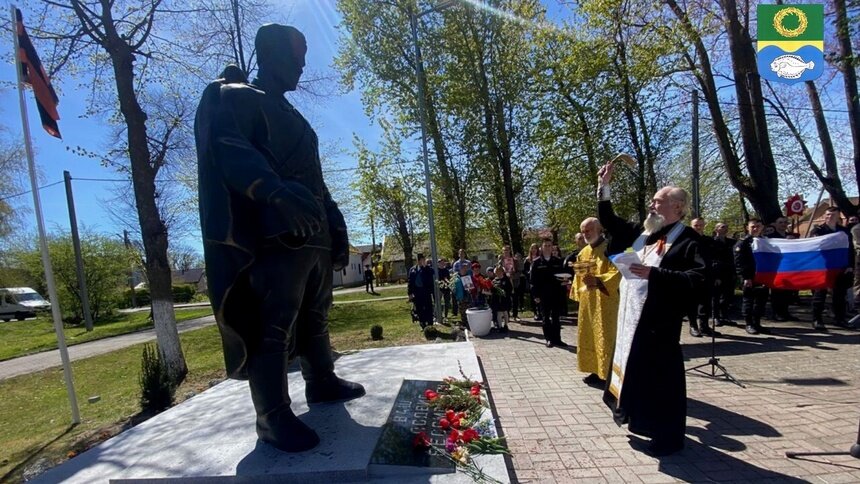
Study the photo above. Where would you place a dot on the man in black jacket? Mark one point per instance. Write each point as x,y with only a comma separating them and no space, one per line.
755,295
420,290
701,311
368,280
723,271
831,225
780,298
547,289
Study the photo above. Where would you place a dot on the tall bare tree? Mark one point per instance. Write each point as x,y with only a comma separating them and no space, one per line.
848,63
124,36
754,174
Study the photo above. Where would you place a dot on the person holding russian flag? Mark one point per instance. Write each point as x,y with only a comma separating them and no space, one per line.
818,263
842,280
754,293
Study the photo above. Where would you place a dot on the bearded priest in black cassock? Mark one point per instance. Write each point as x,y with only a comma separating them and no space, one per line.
647,386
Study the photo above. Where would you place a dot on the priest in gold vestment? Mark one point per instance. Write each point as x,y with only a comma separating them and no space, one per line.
595,286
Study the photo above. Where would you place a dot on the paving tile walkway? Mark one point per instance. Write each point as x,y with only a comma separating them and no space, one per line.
802,393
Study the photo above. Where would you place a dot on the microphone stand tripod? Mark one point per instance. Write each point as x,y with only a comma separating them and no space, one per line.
854,451
715,365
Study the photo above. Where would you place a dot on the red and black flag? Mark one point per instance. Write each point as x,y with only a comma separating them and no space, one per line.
34,75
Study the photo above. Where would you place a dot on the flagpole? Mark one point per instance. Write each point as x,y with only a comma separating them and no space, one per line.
46,259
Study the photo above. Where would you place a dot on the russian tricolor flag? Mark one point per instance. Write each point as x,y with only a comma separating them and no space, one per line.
800,264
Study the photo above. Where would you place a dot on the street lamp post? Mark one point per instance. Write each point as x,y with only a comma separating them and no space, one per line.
419,75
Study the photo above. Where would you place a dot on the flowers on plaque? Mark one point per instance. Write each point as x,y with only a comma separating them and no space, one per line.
469,433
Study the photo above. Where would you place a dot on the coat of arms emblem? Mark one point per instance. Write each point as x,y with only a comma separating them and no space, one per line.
790,42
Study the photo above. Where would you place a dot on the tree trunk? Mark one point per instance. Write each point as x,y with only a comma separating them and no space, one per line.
650,156
405,237
581,123
588,141
493,150
764,202
448,179
849,76
153,230
516,233
753,123
832,181
620,63
831,184
744,212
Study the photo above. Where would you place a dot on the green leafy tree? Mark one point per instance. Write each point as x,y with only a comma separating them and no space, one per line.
13,169
106,263
377,56
390,190
486,92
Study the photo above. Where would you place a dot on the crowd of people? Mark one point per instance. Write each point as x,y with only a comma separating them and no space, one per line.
540,282
631,309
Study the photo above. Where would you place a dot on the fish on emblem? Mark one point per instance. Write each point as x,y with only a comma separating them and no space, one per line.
790,66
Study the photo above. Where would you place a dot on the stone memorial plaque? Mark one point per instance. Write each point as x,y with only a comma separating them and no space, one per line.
394,452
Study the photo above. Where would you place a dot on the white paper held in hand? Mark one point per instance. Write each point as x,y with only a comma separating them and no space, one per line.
623,261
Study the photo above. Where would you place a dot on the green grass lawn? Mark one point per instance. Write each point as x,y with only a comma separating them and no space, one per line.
383,292
349,325
19,338
34,411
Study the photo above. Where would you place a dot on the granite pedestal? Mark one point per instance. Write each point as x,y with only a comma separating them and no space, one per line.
211,437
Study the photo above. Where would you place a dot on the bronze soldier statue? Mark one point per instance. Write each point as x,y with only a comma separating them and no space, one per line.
272,235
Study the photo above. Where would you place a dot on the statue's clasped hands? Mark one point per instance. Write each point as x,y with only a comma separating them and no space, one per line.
300,210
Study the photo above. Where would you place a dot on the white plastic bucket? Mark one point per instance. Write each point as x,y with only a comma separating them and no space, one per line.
480,321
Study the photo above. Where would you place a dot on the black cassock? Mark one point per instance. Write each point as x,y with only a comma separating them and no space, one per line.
654,395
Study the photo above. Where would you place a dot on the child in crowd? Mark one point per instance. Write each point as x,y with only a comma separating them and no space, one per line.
483,286
500,302
491,275
464,289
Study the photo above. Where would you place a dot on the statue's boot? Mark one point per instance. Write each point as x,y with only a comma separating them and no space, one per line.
276,422
321,384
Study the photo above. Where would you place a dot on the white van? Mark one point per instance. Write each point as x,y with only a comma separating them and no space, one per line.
21,303
9,309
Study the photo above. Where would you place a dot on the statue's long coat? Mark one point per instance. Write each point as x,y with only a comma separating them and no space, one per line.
252,147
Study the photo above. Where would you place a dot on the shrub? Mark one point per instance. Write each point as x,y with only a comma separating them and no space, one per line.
376,332
183,293
141,297
431,333
156,389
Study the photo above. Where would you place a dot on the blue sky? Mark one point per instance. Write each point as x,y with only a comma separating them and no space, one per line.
335,118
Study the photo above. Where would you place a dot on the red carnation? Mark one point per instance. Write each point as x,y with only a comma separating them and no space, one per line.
470,435
450,415
455,423
430,395
454,436
444,423
421,441
476,390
